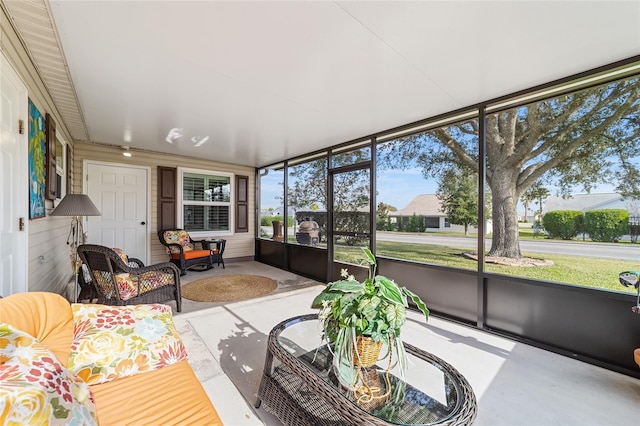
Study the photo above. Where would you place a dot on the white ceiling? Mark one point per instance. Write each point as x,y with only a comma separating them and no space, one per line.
271,80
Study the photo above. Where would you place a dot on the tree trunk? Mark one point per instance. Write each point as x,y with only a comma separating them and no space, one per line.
504,215
466,229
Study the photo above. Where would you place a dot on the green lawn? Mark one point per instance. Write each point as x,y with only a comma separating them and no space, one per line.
583,271
578,270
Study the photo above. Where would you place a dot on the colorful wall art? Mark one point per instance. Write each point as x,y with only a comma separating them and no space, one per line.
37,156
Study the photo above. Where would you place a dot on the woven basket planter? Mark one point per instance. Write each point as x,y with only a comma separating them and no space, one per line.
372,392
367,353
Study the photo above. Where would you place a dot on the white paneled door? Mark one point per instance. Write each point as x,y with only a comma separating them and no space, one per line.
14,208
120,192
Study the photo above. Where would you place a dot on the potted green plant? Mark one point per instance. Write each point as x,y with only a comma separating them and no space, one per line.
356,315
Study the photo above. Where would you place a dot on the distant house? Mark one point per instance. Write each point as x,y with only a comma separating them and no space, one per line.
277,211
586,202
429,207
530,217
271,211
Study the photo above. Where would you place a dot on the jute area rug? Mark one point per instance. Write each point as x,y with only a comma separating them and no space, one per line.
228,288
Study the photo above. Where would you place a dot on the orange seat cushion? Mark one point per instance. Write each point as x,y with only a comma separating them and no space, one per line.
192,254
636,356
135,400
45,316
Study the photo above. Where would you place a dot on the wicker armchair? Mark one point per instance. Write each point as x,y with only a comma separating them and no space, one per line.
121,280
185,252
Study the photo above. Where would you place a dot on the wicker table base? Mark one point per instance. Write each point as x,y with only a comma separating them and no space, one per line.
286,396
301,391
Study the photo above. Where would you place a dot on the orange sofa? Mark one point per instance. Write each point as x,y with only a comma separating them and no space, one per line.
146,389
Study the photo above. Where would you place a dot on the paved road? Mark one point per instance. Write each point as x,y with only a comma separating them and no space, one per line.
527,246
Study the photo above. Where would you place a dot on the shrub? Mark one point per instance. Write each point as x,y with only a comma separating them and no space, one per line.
355,222
382,224
606,224
634,228
565,224
416,224
266,220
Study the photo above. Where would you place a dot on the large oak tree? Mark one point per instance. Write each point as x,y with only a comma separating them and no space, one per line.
582,138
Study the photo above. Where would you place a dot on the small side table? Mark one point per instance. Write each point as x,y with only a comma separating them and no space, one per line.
216,253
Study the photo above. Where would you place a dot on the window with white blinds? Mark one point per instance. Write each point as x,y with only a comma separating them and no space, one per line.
206,202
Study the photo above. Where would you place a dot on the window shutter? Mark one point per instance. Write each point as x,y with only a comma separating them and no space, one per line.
167,197
69,170
242,203
50,144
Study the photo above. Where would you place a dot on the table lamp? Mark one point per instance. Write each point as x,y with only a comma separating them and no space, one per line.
75,205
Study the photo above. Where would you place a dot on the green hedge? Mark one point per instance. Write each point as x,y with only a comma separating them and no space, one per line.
318,216
606,224
266,220
565,224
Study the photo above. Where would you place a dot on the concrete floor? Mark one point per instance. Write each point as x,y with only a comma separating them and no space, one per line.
515,384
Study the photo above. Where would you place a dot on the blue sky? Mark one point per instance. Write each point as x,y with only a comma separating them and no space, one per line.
396,188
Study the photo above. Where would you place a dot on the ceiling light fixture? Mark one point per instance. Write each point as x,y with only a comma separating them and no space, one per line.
126,152
199,140
175,133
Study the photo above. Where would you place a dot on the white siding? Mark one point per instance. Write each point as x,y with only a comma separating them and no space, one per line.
239,245
47,235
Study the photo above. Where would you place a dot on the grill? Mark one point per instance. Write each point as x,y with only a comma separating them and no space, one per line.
308,233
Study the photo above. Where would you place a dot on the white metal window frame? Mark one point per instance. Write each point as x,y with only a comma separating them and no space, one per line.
181,202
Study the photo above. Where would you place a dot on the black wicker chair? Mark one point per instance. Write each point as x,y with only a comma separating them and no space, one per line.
87,289
126,283
185,252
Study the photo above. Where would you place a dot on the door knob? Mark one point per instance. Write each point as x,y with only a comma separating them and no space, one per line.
143,223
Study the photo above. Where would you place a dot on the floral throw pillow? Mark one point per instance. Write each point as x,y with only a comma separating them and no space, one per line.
178,237
36,388
119,341
126,288
121,253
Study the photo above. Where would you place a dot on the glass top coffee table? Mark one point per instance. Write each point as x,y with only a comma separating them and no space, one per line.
299,385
